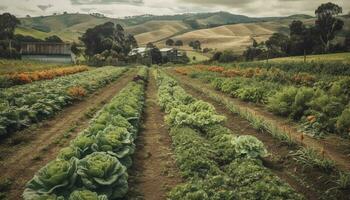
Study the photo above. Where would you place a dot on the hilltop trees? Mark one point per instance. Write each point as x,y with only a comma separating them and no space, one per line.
303,39
179,43
196,45
54,38
107,43
169,42
327,24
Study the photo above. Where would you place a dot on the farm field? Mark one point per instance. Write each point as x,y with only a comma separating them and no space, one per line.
175,133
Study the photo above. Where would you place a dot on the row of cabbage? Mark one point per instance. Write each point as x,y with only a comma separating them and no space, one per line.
321,109
215,163
23,105
95,164
20,78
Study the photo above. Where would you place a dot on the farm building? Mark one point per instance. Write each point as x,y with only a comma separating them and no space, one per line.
47,52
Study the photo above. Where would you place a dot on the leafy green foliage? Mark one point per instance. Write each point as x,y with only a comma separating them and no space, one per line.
103,173
101,154
57,177
252,181
27,104
86,195
202,150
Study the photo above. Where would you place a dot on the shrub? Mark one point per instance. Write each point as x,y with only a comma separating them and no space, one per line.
343,122
281,103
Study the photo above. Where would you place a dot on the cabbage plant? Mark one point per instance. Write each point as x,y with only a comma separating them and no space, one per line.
103,174
56,178
86,195
117,142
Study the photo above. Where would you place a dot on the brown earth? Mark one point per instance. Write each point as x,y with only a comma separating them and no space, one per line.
25,152
154,171
312,183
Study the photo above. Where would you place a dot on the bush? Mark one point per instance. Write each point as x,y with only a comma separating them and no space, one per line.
281,103
343,122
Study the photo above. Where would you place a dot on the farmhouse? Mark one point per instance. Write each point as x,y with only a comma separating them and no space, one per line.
47,52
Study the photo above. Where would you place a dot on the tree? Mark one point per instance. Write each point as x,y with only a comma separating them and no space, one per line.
196,45
301,39
347,42
278,45
8,24
155,54
327,24
109,39
179,43
75,49
54,38
169,42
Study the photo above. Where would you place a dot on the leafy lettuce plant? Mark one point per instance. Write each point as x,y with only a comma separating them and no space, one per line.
56,178
86,195
103,174
197,114
83,143
117,142
68,153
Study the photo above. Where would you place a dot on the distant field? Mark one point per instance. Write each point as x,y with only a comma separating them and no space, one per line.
156,30
337,57
199,57
236,37
11,66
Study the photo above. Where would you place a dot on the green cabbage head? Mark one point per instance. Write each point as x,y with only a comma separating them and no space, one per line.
83,143
86,195
117,142
104,174
56,178
68,153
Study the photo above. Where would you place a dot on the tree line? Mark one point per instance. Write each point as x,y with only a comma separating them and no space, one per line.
303,39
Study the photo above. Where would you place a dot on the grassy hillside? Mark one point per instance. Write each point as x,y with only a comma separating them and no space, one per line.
236,31
69,26
156,30
236,37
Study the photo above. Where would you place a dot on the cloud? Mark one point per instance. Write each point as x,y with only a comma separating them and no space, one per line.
3,7
44,7
101,2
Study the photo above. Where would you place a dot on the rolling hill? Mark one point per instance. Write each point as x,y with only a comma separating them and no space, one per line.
219,30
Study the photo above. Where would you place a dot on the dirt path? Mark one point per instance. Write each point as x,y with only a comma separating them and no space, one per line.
26,152
335,148
311,183
154,170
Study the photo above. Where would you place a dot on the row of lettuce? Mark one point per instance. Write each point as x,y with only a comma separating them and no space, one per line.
95,164
215,163
20,78
21,106
321,109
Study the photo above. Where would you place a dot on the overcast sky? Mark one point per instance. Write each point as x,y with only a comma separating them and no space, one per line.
121,8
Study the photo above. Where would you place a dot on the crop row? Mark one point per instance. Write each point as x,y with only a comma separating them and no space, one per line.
324,68
95,164
215,163
21,78
23,105
320,110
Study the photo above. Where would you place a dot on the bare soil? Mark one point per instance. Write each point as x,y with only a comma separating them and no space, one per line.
25,152
154,171
312,183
